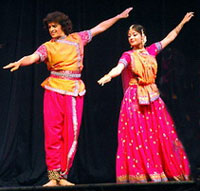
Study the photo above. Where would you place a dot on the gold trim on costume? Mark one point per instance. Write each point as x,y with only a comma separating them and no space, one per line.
54,175
156,177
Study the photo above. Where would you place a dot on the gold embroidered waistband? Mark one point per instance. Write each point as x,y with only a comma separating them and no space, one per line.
66,74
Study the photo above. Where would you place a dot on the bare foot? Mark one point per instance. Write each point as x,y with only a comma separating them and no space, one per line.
51,183
64,182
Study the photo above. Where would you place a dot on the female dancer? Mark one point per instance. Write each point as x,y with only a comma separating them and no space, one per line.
148,147
64,90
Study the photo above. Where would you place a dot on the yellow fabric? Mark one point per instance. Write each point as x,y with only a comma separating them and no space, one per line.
65,55
63,86
144,67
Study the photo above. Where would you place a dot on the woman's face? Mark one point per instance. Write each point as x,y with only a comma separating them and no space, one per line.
135,39
55,30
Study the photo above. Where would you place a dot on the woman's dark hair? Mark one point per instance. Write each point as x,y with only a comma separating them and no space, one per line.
138,28
60,18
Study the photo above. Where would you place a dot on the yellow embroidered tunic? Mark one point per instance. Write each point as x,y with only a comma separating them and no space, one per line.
64,59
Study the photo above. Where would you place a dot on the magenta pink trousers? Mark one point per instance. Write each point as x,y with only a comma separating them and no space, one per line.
62,120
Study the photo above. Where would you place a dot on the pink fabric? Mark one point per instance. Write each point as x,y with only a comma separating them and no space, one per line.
125,58
42,52
148,146
127,73
154,48
62,119
86,36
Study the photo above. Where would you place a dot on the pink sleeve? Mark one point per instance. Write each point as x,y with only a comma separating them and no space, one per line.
42,52
154,49
86,36
125,59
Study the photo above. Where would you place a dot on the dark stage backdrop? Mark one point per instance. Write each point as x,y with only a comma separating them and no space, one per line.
22,158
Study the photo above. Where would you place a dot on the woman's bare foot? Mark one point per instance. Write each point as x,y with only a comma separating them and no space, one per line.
64,182
51,183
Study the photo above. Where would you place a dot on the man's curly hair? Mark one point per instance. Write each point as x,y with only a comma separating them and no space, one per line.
60,18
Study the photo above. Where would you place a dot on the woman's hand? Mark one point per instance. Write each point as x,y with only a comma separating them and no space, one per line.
116,71
14,66
107,78
173,34
125,13
187,17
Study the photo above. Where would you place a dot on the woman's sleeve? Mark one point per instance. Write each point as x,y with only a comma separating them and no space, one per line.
42,52
154,49
86,36
125,59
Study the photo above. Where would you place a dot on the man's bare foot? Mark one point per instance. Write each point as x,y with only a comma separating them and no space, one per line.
64,182
51,183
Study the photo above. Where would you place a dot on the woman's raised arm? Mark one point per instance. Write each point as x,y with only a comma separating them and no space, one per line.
174,33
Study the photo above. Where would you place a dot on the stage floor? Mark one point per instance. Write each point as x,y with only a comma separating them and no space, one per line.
163,186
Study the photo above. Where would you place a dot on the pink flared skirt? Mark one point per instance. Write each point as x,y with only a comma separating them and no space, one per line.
148,146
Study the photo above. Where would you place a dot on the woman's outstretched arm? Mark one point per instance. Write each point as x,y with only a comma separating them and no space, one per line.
174,33
101,27
25,61
116,71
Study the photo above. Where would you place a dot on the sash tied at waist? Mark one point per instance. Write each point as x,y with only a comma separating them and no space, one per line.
147,92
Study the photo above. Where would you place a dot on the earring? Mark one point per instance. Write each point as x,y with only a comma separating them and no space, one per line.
144,39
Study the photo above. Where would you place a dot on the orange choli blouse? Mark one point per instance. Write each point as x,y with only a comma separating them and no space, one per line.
64,59
141,70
